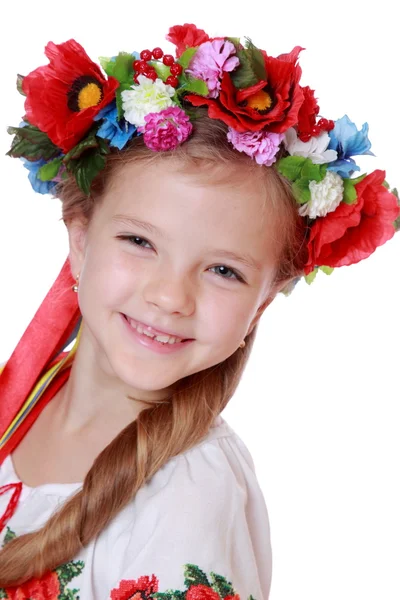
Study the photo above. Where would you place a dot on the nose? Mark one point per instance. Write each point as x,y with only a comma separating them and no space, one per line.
170,293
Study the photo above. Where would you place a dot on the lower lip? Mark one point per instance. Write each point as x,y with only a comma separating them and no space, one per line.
154,345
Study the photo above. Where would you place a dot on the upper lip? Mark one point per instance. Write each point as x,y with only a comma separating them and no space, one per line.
154,331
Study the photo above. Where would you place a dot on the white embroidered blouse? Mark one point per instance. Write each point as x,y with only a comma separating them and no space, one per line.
199,528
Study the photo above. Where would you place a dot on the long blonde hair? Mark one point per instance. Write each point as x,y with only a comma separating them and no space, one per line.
182,420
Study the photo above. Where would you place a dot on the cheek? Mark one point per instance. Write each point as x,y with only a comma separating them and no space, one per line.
228,318
108,276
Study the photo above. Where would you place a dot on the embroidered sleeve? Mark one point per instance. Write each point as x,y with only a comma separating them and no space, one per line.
204,533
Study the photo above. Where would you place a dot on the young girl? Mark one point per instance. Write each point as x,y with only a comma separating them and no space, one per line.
194,189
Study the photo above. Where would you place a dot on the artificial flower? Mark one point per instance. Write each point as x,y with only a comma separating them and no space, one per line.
348,141
186,36
211,60
42,187
145,98
260,145
308,112
326,195
166,129
142,588
117,131
353,231
63,97
315,149
272,104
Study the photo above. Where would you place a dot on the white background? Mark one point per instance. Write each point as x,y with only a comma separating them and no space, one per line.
318,404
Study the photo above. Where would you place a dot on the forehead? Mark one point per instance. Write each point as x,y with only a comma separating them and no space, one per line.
197,207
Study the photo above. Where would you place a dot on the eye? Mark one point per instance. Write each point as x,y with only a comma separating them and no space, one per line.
134,240
227,269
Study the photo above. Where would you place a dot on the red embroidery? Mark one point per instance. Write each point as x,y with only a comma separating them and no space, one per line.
12,505
198,587
136,590
45,588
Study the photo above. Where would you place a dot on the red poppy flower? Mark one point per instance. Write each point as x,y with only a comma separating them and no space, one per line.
46,588
63,97
133,589
353,231
308,112
186,36
272,104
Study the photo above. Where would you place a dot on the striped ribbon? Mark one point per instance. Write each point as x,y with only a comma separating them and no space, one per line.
39,365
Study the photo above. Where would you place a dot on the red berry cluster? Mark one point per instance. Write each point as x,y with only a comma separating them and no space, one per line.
322,125
142,67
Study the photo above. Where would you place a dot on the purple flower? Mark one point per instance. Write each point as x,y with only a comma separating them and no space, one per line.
260,145
210,62
166,129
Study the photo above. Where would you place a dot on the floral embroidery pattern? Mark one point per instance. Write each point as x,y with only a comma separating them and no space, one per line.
52,586
198,587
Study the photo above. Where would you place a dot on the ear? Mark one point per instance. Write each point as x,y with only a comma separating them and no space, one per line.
271,296
77,231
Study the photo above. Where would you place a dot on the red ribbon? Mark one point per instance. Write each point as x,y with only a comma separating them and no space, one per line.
45,336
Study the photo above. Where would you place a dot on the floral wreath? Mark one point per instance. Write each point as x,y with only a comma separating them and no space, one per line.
74,114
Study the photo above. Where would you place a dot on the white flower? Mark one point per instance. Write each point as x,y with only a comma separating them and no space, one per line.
325,196
315,149
147,97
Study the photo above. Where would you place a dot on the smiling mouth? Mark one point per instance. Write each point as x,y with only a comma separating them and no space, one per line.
162,338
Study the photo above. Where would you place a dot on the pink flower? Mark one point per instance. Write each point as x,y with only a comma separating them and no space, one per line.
210,61
166,129
260,145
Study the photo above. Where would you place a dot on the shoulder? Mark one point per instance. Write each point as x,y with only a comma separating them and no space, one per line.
204,510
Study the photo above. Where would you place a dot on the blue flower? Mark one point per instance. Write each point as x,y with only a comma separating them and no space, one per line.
42,187
117,132
348,142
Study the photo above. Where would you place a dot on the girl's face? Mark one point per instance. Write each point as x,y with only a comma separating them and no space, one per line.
174,273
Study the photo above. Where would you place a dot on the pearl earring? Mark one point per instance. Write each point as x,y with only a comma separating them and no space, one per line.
75,286
242,344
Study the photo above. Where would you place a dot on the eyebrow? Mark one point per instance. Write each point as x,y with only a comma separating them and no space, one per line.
245,259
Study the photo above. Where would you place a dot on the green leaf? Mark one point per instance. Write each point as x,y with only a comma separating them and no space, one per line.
90,141
186,57
220,585
327,270
31,143
358,179
301,190
106,64
85,169
256,60
311,276
195,576
349,191
118,98
235,41
162,70
244,76
123,67
50,170
20,79
197,86
3,593
291,167
313,172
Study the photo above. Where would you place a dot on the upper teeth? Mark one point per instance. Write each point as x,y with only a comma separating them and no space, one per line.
167,339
